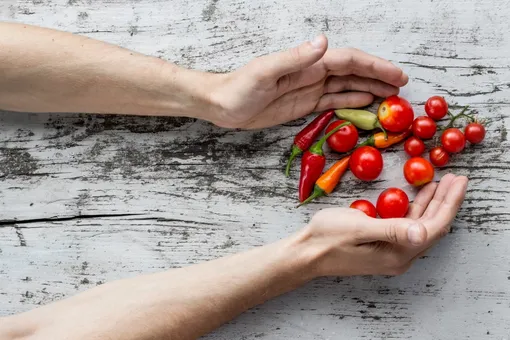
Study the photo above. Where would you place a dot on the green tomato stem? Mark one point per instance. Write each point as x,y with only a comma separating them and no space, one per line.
455,117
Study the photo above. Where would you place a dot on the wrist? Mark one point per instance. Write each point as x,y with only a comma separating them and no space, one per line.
304,255
187,93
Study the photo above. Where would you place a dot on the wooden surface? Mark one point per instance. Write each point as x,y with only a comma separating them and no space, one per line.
88,199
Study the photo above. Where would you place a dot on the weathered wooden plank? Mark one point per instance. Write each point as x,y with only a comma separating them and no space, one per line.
87,199
62,258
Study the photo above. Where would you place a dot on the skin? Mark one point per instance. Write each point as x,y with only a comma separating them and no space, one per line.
45,70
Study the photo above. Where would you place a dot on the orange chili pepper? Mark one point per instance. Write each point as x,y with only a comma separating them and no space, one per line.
329,180
379,141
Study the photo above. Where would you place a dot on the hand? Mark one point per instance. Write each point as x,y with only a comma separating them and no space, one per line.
284,86
346,242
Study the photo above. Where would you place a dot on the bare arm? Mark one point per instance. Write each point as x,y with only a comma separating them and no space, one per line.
43,70
178,304
188,302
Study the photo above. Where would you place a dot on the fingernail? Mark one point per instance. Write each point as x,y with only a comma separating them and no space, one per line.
317,42
414,235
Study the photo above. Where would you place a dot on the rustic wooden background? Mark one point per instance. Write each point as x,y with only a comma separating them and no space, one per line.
88,199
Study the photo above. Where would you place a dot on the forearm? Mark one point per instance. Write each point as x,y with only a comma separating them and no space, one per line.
44,70
178,304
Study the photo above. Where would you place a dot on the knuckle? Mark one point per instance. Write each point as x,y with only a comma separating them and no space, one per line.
284,83
372,65
358,234
327,101
351,57
322,216
295,55
330,85
318,218
391,233
351,63
351,50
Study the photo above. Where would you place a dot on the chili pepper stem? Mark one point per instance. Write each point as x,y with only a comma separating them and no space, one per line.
378,124
317,147
317,192
368,142
295,151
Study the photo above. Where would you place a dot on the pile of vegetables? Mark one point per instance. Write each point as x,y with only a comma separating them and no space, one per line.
395,118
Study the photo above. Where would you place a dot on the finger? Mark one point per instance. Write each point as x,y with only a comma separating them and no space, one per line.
342,62
354,83
399,231
454,198
343,100
276,65
439,224
439,195
302,78
422,200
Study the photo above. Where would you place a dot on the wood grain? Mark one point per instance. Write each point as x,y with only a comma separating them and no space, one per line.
85,199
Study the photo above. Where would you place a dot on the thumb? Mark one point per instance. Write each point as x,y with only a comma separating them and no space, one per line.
279,64
403,232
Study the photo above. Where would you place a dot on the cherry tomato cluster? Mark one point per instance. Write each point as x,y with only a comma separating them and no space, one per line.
395,118
452,140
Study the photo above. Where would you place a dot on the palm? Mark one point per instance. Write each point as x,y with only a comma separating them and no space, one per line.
430,215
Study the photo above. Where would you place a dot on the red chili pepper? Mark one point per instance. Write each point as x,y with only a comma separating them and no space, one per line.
305,137
329,180
312,164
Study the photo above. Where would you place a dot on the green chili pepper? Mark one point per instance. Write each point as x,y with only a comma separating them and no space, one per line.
362,119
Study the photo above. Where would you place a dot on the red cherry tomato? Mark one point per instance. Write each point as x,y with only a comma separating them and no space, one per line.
453,140
344,139
414,147
475,133
392,203
436,107
424,127
365,206
439,157
366,163
395,114
418,171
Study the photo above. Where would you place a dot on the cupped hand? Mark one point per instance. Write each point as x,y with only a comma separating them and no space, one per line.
346,242
284,86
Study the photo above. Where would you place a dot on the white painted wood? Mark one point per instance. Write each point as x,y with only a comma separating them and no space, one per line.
184,191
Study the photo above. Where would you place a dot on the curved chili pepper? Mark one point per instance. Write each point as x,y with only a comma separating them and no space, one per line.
305,137
365,120
329,180
380,142
312,164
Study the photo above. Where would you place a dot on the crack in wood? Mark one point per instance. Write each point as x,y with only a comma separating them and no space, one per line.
8,223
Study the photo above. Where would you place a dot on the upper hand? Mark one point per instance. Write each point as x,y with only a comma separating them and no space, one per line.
346,242
284,86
